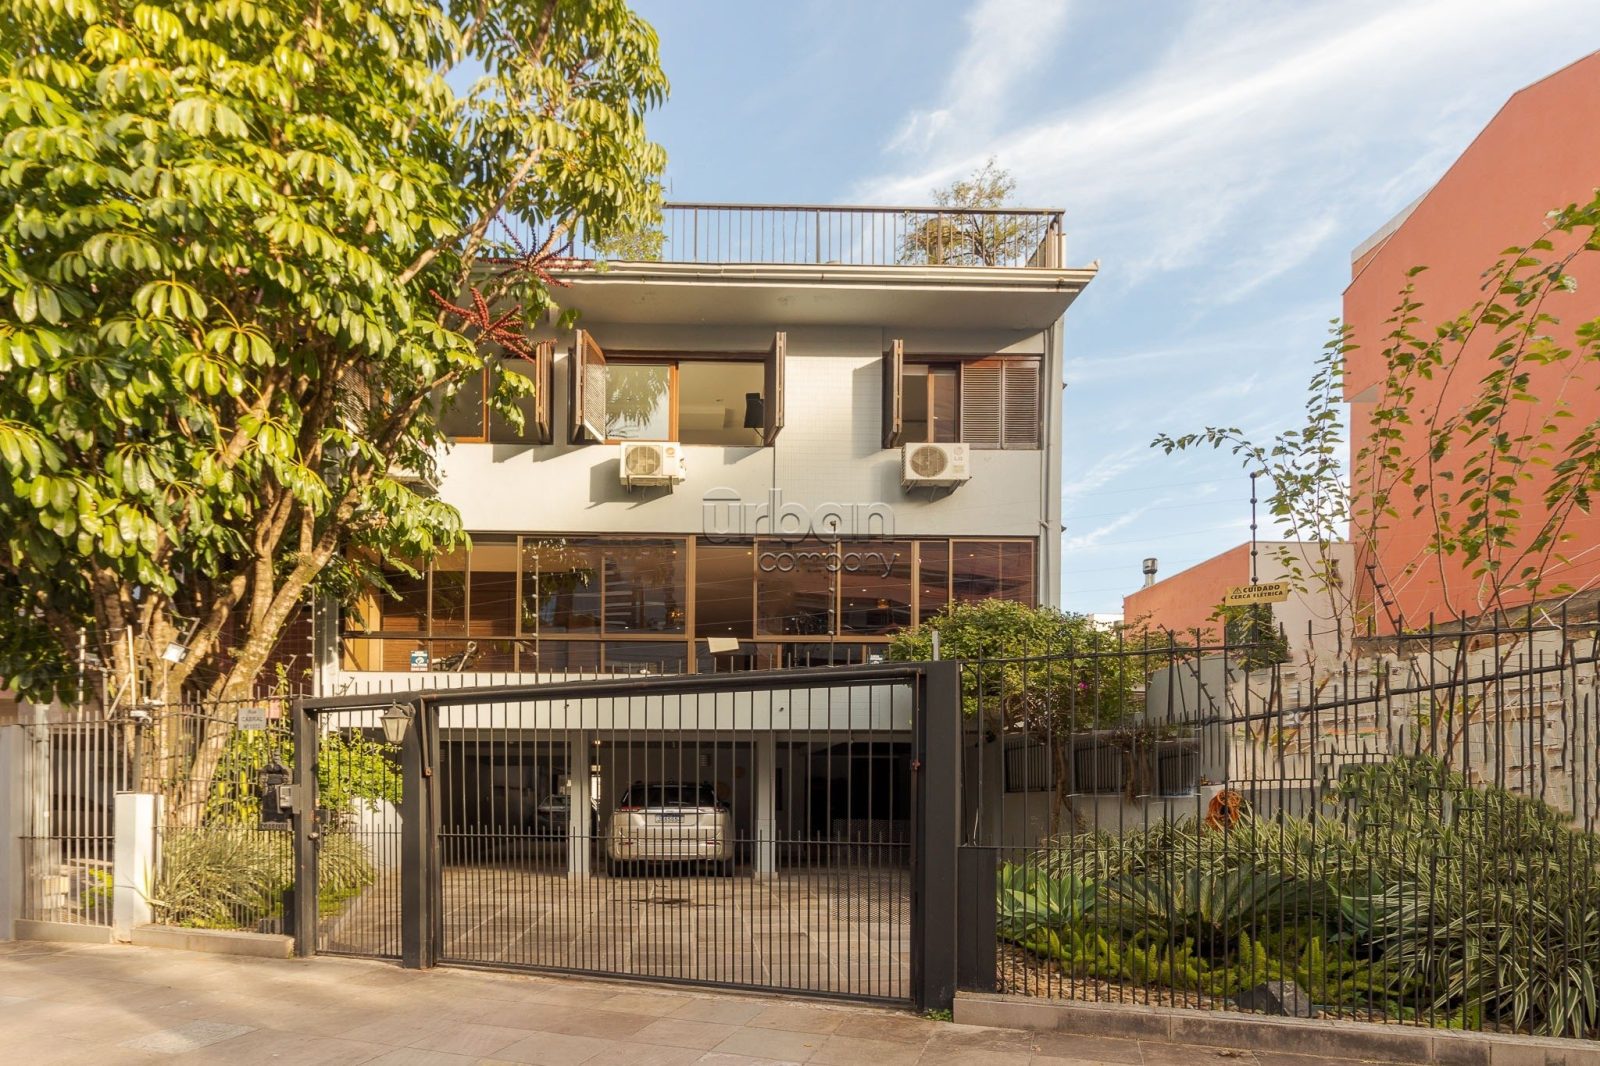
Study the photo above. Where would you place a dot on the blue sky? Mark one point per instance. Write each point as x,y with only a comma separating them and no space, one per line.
1220,160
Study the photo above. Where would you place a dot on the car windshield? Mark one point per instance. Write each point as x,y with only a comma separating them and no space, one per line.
669,796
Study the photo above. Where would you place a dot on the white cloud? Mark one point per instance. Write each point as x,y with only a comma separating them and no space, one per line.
1107,469
977,87
1199,149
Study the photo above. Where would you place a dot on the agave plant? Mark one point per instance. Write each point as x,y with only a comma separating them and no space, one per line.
1032,902
1211,907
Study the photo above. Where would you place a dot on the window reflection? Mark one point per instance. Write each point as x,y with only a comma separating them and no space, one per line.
874,586
644,587
561,585
933,578
448,610
638,401
795,587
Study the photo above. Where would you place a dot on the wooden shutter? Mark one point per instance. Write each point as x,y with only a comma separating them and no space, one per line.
772,410
982,412
894,423
544,360
1021,399
587,373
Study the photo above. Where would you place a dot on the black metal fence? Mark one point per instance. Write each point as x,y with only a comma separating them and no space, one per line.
755,830
833,234
1408,834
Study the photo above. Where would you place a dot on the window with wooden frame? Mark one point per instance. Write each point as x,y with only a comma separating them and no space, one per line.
986,403
692,398
469,418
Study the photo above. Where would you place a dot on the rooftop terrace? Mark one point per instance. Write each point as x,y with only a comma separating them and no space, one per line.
1021,238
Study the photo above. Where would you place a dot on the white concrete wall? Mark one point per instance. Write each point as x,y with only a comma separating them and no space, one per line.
830,450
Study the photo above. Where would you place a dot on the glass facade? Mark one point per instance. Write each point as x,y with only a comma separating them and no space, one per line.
633,604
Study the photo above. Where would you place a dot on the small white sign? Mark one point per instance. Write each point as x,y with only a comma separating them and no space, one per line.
252,718
419,660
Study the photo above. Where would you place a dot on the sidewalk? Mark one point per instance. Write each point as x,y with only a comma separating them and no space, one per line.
105,1005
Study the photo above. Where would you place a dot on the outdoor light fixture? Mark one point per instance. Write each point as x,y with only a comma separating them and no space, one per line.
175,652
396,721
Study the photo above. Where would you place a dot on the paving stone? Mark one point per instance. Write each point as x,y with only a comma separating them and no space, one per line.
188,1037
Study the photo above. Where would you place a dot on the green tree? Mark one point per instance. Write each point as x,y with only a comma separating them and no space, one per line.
969,232
225,229
1035,671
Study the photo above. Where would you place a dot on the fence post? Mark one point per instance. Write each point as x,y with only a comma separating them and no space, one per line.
419,851
12,811
765,859
934,912
580,803
302,909
133,861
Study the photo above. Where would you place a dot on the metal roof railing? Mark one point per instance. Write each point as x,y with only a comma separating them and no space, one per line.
837,234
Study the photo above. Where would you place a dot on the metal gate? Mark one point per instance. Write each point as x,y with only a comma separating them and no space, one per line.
792,830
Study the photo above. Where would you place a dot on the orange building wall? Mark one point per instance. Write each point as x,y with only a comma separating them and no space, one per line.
1185,601
1540,152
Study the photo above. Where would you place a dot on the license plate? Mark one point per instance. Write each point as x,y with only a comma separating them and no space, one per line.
669,817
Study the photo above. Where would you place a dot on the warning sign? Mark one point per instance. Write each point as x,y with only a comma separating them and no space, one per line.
1264,592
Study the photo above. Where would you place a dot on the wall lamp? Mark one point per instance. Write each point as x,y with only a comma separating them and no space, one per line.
396,722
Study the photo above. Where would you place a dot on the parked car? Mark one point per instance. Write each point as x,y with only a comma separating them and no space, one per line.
551,816
669,823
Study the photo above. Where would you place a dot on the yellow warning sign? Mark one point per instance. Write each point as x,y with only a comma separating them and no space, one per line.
1265,592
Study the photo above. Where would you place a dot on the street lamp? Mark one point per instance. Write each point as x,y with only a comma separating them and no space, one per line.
396,721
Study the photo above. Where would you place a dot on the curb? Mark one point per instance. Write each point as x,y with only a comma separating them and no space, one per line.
1258,1032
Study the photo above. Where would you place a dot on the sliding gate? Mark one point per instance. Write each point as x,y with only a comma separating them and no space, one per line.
789,830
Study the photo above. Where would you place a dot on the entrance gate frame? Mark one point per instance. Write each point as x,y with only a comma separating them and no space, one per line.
935,799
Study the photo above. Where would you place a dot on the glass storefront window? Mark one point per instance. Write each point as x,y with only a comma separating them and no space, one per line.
795,587
644,587
561,579
992,570
493,584
448,604
933,578
591,604
724,590
874,586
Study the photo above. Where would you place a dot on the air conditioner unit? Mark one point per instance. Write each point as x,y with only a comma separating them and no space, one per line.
651,463
420,483
934,465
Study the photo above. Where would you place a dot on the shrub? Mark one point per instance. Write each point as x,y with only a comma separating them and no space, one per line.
1417,894
228,877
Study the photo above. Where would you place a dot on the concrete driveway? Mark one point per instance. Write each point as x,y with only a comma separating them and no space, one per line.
102,1005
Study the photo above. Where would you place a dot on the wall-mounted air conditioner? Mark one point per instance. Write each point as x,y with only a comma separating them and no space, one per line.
933,465
651,463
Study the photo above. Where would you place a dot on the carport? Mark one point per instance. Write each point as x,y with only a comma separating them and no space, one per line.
823,775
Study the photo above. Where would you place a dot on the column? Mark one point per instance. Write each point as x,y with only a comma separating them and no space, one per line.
580,802
766,796
11,825
133,861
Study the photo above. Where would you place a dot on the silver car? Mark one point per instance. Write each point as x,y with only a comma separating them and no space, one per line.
669,823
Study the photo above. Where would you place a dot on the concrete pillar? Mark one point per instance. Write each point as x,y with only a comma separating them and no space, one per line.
12,830
133,863
580,802
765,860
324,644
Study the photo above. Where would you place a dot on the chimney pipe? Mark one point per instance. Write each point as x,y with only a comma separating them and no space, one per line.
1149,571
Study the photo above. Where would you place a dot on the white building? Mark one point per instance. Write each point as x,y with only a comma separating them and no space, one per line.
796,432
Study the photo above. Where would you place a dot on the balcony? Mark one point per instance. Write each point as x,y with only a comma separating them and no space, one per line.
795,234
